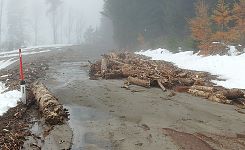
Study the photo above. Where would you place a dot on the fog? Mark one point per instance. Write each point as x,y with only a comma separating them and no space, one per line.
42,22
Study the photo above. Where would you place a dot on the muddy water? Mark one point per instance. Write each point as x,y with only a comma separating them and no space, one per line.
80,117
61,80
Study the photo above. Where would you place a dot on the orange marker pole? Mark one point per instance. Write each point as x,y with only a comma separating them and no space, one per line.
22,80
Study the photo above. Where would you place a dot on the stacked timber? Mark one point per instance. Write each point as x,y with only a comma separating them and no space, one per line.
139,70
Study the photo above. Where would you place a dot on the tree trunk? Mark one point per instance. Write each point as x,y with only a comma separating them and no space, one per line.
52,111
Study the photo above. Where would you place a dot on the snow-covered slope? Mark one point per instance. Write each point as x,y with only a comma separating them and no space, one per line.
230,68
8,99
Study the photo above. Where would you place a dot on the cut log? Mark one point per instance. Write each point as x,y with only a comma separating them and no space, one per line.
219,97
161,86
181,89
52,111
203,88
103,65
115,74
140,82
233,94
186,81
199,93
128,70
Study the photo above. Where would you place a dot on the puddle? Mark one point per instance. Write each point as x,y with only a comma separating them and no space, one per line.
65,73
82,136
36,138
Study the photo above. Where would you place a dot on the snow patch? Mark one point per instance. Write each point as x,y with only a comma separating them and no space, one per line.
226,67
6,63
8,99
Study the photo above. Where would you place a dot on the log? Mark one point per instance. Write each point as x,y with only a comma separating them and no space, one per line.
103,65
52,111
219,97
186,81
115,74
128,70
161,86
199,93
203,88
233,94
140,82
181,89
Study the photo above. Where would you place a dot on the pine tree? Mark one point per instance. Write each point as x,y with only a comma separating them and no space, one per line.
239,16
200,27
222,17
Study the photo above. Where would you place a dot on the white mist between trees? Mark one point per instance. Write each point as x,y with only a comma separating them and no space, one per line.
40,22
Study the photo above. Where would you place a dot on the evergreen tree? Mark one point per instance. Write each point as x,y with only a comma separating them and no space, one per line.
222,17
200,27
239,16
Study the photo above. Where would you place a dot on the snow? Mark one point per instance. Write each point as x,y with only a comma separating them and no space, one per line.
8,99
226,67
233,51
6,63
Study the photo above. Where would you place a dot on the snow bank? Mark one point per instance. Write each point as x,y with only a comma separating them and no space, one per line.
8,99
229,68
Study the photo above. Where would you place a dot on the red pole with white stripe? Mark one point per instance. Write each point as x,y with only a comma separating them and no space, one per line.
22,80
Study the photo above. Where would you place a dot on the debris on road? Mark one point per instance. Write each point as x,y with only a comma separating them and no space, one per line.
16,123
52,111
140,70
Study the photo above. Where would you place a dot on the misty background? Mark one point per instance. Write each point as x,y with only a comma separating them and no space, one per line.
108,24
42,22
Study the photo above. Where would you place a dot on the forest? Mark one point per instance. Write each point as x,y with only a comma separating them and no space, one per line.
169,23
39,22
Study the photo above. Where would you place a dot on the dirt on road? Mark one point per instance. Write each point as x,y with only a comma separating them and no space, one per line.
104,116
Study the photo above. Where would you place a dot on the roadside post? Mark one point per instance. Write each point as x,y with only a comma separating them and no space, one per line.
22,80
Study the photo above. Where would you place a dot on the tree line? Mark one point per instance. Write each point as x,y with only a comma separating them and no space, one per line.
150,24
38,22
224,25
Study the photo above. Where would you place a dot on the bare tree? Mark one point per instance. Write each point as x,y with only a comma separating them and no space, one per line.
79,28
70,26
16,24
53,11
36,16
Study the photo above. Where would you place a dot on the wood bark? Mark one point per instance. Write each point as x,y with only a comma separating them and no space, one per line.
203,88
161,86
144,72
52,111
115,74
233,94
199,93
140,82
103,65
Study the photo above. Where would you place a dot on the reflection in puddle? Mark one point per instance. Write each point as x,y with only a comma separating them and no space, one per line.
79,116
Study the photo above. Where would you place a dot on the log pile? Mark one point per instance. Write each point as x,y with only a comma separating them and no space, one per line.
52,111
141,71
